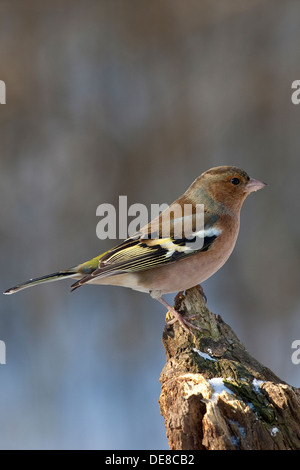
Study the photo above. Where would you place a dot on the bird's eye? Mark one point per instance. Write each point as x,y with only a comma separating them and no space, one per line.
235,181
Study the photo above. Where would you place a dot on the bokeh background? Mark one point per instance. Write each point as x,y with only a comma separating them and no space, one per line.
137,98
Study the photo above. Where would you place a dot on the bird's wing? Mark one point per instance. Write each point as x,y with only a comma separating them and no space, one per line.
146,251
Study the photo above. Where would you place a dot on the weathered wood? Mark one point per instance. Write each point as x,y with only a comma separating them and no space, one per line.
215,395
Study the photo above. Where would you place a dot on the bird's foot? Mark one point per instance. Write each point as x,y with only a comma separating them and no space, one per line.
185,323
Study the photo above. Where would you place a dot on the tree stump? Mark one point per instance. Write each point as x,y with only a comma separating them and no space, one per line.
215,395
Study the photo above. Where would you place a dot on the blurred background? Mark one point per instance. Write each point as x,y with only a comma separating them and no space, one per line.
137,98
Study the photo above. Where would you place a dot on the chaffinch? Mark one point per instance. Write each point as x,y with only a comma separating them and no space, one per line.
157,264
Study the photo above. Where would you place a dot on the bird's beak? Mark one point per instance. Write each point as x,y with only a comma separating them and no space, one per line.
254,185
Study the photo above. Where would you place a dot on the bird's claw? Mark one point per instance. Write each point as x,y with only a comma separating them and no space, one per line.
185,323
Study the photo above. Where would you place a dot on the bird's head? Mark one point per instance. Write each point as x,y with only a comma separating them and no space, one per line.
227,186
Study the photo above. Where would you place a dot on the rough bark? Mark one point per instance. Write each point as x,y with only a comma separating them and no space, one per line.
215,395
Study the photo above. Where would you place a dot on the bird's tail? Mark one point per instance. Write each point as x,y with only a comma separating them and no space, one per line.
70,273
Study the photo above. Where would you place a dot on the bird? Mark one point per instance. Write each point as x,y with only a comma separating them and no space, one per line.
158,262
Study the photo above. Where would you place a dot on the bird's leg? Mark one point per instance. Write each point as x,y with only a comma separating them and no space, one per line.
177,316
